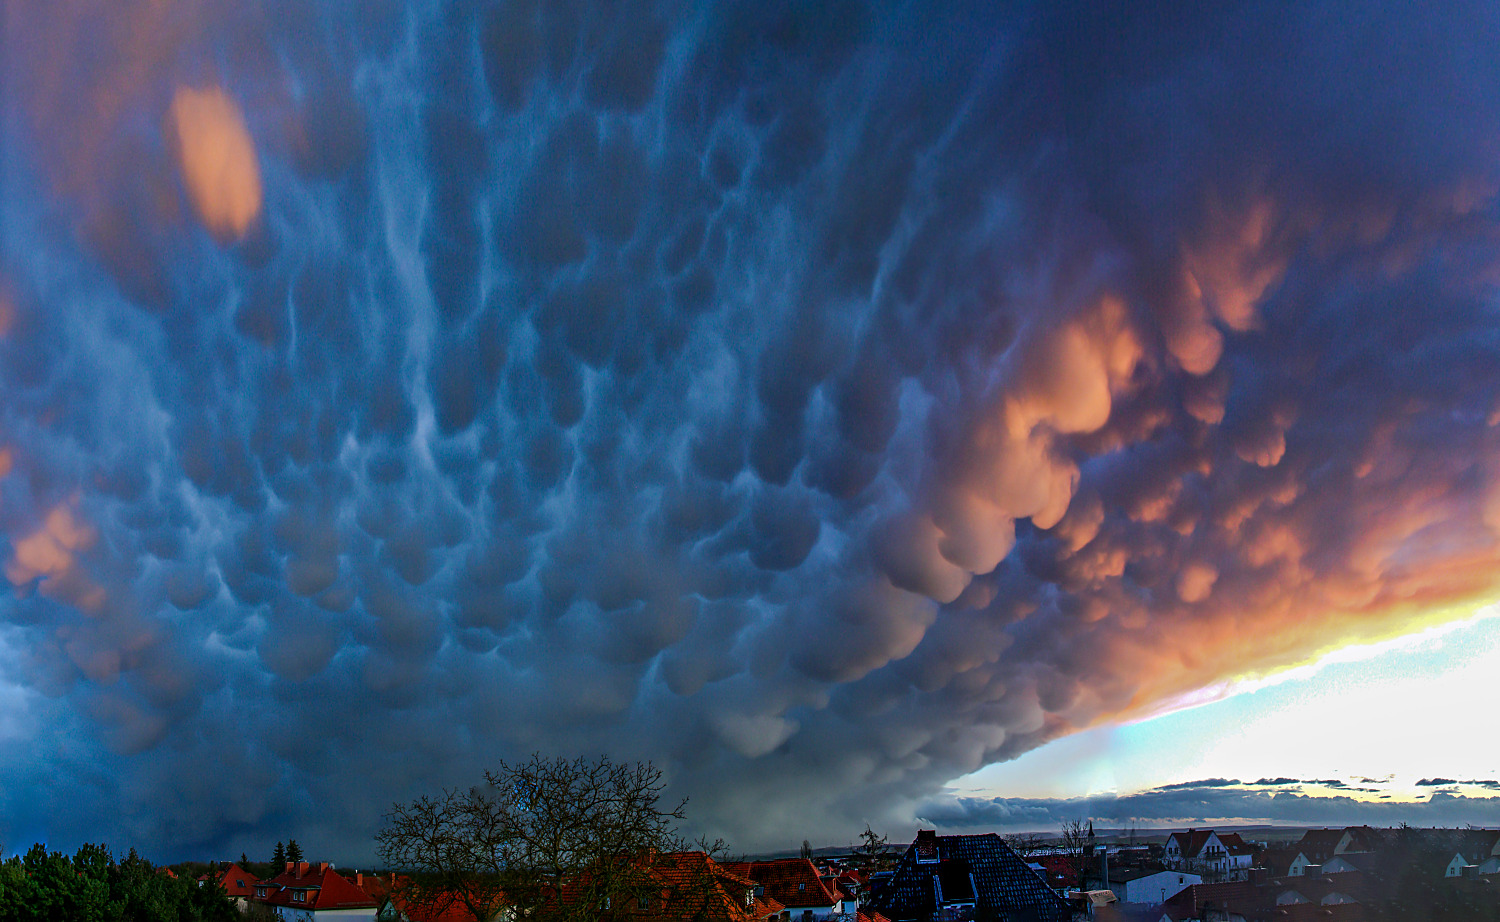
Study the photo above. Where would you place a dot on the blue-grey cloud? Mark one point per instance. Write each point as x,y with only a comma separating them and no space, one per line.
821,400
1183,806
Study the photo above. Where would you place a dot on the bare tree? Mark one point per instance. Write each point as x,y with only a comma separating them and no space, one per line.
453,848
545,839
1077,846
1026,844
872,853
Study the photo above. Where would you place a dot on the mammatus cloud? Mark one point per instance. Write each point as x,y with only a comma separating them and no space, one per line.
219,168
820,400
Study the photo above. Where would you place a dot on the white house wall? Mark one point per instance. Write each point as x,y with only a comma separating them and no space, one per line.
290,914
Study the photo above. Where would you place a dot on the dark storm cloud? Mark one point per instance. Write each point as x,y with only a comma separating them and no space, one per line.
821,400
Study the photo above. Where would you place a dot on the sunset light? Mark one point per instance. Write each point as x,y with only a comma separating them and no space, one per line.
849,416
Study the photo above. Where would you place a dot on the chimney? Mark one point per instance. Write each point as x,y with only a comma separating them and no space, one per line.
291,867
359,880
322,866
302,867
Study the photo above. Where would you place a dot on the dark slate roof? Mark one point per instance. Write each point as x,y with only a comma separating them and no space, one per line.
957,884
1009,891
1318,844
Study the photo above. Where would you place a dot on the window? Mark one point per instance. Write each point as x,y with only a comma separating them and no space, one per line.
802,886
239,883
642,904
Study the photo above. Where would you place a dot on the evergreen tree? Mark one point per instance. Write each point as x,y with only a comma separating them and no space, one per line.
278,857
293,850
243,860
91,886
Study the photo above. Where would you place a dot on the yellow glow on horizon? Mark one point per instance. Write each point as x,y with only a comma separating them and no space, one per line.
1396,710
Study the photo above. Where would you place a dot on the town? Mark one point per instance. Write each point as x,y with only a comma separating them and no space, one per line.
1351,874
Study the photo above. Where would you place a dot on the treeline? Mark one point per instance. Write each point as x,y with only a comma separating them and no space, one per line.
91,886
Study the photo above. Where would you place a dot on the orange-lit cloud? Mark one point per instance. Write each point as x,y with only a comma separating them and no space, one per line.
50,553
218,160
1008,469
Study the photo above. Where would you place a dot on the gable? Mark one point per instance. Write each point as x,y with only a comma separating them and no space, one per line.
793,882
1001,881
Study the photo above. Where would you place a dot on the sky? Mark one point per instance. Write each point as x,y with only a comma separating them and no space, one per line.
867,412
1225,759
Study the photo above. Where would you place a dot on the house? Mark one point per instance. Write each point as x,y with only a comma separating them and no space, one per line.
1350,887
1209,853
1451,852
236,882
965,877
1312,912
1149,885
1278,862
307,892
673,887
684,886
396,908
796,884
849,884
1358,840
1318,845
1232,901
694,885
1059,871
1344,864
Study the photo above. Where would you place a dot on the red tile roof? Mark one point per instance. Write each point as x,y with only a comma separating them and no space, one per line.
455,912
1192,842
314,887
793,882
393,892
1061,869
236,881
691,884
1354,884
1312,912
1238,896
376,886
